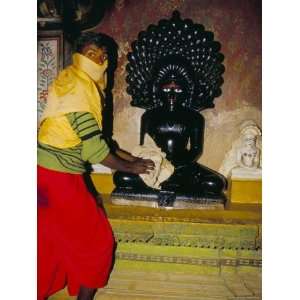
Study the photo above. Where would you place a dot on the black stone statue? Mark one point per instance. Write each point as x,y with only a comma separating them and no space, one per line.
174,70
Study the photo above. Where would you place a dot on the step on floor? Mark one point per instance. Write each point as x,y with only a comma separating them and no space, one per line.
158,286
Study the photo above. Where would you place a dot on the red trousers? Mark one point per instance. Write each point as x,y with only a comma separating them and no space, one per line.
75,239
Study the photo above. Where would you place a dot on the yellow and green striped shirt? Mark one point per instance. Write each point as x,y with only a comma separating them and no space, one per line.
92,149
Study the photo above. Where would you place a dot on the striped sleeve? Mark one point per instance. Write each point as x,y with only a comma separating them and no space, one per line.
84,124
94,150
94,147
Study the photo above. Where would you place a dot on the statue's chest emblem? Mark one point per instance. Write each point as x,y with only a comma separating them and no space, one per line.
171,127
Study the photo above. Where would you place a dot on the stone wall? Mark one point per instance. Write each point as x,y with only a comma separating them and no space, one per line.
236,25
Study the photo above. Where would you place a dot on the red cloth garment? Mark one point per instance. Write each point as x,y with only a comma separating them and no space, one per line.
75,240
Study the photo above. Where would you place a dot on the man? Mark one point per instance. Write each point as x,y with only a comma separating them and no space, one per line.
75,240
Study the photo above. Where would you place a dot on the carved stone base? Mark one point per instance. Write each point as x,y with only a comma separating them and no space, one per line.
245,190
167,200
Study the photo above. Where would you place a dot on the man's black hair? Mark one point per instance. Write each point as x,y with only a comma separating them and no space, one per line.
98,39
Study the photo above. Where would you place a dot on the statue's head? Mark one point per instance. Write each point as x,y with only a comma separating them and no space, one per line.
173,94
249,149
173,84
249,157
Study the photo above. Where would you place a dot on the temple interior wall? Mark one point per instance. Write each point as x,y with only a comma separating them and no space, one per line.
236,25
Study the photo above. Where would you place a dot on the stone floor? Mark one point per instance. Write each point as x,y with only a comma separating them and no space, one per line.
164,286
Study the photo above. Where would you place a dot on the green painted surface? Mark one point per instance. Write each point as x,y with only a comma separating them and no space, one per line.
148,249
164,267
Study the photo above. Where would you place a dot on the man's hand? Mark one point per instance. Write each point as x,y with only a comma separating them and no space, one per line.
138,166
126,155
142,166
134,158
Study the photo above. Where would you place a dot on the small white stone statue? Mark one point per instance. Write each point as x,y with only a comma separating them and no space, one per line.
244,159
163,168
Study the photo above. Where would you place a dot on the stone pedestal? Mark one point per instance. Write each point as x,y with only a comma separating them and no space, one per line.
245,186
103,183
167,200
243,190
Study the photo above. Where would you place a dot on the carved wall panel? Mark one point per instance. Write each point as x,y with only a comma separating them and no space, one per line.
49,63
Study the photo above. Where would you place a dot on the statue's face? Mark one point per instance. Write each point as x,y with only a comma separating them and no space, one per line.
248,157
94,53
249,150
172,94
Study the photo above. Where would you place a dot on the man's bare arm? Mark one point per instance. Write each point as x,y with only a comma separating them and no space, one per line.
139,166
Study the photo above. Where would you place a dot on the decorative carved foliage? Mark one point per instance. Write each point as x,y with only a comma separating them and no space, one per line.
177,48
49,63
213,262
237,237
